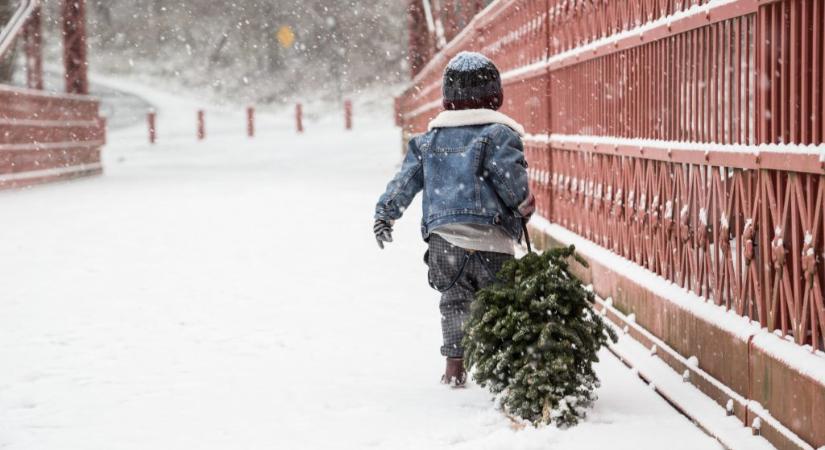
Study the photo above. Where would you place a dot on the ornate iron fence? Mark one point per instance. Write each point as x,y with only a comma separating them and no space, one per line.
685,136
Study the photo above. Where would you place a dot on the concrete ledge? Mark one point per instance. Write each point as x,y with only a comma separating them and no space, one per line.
768,383
650,358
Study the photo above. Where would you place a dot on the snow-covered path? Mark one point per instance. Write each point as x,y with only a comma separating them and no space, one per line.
230,295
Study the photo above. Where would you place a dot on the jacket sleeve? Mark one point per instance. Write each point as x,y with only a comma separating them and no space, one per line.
506,167
404,186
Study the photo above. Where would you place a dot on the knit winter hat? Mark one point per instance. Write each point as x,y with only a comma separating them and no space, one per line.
472,81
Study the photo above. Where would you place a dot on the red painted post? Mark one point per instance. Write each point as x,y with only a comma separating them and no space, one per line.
299,118
74,46
150,118
348,114
201,125
101,122
250,121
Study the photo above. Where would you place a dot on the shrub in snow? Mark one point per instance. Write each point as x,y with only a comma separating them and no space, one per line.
533,338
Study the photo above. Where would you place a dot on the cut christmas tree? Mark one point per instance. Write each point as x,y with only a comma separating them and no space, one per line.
533,338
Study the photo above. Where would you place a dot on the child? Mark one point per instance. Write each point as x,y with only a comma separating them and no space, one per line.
472,170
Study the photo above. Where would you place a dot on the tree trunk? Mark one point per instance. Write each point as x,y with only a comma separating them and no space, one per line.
7,8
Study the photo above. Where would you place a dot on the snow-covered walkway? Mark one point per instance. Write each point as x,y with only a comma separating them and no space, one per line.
230,295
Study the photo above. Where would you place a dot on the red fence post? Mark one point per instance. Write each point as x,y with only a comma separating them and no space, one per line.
74,46
150,119
348,114
102,123
299,118
201,125
250,121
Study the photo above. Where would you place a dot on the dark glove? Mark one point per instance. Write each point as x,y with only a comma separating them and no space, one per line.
383,231
527,207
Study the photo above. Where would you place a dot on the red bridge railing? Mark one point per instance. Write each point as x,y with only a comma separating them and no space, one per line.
48,136
677,126
685,136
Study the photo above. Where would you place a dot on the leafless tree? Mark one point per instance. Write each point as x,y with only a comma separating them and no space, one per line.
232,47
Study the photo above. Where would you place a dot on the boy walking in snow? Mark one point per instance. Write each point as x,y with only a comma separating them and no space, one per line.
471,167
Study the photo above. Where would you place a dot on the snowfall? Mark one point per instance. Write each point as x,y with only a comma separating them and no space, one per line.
229,294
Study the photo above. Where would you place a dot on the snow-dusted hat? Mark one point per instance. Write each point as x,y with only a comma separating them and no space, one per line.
472,81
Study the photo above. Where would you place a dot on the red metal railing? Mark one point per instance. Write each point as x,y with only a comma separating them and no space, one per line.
447,19
646,125
48,136
522,27
684,135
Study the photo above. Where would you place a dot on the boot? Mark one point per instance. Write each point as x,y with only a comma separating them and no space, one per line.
455,375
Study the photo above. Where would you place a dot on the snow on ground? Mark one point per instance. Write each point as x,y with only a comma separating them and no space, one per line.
229,295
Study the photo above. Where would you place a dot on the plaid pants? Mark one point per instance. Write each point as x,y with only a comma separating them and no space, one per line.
458,273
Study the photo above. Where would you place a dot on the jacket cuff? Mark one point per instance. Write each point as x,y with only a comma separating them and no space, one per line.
382,215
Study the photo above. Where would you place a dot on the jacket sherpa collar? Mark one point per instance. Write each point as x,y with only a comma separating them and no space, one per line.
465,117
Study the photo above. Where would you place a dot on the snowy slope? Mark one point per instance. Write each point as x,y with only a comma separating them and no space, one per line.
229,295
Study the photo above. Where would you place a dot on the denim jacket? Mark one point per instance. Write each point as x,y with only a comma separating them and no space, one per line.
471,168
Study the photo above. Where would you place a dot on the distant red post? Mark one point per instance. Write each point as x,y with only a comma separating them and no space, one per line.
348,114
250,121
101,122
201,125
150,119
299,118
